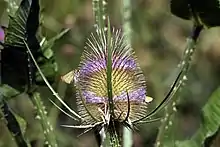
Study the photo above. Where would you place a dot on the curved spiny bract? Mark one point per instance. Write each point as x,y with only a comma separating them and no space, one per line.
128,82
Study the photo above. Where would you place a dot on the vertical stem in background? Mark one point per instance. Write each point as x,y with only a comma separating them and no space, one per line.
170,109
126,13
99,12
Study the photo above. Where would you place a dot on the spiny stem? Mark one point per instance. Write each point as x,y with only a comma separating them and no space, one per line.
126,12
114,138
12,6
45,123
99,12
185,65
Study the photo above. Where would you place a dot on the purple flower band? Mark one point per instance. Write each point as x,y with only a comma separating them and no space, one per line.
91,66
136,95
92,98
2,34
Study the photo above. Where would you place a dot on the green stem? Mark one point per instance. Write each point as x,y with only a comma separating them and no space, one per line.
126,12
45,122
109,70
126,20
184,65
99,12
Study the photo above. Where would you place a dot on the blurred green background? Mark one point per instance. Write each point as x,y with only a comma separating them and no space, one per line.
158,39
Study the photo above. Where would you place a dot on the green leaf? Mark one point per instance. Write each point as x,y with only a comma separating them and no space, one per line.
211,114
187,143
207,11
48,64
22,123
17,25
8,91
23,25
209,125
46,45
49,69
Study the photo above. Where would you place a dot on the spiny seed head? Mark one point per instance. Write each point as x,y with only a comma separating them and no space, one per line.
128,85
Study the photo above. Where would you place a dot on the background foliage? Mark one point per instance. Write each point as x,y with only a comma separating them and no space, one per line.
158,38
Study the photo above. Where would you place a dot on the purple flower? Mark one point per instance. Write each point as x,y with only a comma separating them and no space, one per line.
128,82
126,74
2,35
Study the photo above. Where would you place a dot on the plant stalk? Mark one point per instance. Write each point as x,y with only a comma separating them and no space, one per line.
170,109
126,12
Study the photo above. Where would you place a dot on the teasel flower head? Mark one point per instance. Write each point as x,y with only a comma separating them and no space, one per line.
126,87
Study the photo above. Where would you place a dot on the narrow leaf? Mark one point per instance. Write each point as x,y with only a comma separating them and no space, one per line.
13,125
